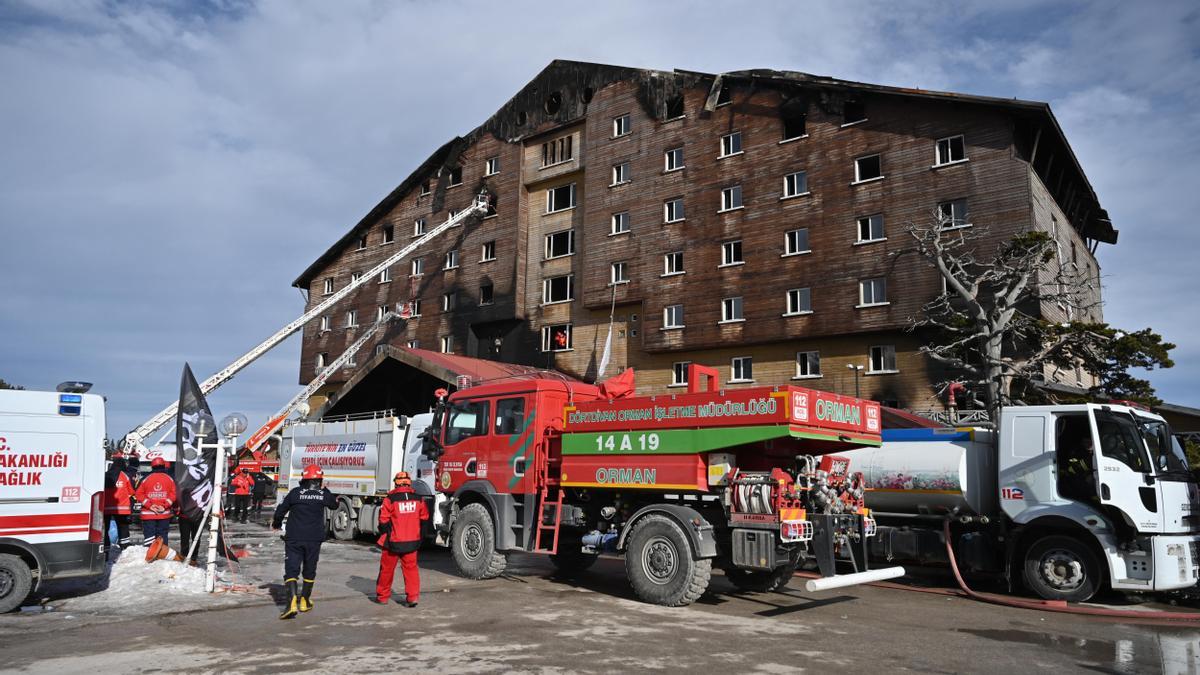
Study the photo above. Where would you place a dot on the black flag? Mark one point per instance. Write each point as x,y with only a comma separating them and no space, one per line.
194,471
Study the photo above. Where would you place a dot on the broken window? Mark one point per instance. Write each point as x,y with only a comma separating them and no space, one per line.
557,151
553,103
795,125
724,97
870,228
362,242
455,176
556,338
867,168
731,144
953,214
853,111
492,199
675,107
424,188
951,150
486,294
559,244
389,234
558,289
560,198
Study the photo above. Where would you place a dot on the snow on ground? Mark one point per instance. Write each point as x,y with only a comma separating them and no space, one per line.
138,587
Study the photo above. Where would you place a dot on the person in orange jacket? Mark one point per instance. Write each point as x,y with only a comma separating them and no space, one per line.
157,497
118,504
243,485
400,522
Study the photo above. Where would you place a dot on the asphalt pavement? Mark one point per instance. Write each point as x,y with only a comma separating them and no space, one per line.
533,620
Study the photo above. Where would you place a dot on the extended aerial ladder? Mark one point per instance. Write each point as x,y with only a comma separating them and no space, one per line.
277,420
134,439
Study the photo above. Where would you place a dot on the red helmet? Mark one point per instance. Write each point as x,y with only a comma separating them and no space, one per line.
157,462
402,479
311,472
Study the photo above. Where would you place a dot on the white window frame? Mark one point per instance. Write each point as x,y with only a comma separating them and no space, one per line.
425,189
732,253
389,234
667,162
552,207
619,223
362,243
862,287
791,185
884,351
449,301
452,259
563,151
322,360
793,309
419,227
787,242
728,305
870,223
669,207
731,199
620,174
672,317
414,344
741,363
679,374
954,220
547,285
667,266
570,241
622,125
808,359
858,179
417,268
326,322
385,275
483,252
380,312
416,307
355,276
491,166
352,318
327,289
447,344
618,273
731,144
548,332
949,145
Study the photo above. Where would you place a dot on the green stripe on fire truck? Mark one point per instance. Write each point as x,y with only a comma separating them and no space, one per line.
668,441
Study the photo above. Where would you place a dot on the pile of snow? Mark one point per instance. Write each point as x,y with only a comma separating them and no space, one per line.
139,587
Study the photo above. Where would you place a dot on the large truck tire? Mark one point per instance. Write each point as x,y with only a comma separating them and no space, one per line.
572,560
473,544
16,580
660,563
342,522
760,581
1062,568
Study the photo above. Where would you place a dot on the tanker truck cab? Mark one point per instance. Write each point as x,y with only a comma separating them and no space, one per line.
1098,488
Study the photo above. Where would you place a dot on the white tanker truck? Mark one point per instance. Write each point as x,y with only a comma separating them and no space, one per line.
1064,498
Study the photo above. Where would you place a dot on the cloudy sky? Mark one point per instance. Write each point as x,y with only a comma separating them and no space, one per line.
168,168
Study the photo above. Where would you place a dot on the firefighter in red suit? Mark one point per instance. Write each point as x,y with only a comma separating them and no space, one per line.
400,521
118,504
243,485
157,497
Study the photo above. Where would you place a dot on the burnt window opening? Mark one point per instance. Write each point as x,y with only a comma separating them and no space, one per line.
724,97
389,234
795,125
675,107
424,188
492,199
553,103
362,242
557,151
853,111
455,176
586,94
487,294
522,118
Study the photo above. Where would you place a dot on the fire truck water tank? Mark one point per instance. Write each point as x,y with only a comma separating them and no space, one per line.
929,471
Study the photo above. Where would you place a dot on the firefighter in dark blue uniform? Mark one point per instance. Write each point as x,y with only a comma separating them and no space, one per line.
305,508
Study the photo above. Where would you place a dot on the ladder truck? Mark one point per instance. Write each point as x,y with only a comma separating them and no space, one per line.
748,480
135,439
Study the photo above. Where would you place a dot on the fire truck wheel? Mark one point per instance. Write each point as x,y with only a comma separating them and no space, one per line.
16,579
759,581
570,559
473,544
342,522
1062,568
661,564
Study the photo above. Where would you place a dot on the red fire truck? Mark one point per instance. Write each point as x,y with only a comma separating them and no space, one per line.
747,479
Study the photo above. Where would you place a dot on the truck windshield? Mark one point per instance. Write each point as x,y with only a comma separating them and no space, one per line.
1121,439
1165,450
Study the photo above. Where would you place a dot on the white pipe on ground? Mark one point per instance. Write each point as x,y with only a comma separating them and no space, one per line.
842,580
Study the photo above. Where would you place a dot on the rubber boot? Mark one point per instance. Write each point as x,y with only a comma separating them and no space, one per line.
306,602
293,600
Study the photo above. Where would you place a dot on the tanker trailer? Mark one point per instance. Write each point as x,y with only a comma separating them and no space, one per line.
1063,499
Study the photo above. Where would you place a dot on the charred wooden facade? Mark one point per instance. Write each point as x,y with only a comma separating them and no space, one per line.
740,220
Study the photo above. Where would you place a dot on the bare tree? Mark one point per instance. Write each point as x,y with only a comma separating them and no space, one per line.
987,328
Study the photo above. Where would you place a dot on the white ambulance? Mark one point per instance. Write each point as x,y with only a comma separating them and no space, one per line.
51,488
